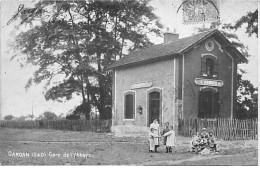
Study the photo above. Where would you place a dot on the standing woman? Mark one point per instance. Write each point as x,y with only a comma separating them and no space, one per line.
155,125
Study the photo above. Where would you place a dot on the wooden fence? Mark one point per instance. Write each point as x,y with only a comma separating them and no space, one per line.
226,129
72,125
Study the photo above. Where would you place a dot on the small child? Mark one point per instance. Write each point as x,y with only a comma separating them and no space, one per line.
212,142
171,139
152,135
165,130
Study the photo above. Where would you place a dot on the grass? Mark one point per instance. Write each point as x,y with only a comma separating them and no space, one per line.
105,149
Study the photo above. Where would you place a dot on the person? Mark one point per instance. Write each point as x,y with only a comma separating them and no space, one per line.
204,134
171,139
204,142
155,125
151,137
212,142
165,130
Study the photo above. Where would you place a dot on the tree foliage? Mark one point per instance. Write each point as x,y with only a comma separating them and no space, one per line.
48,115
74,41
251,22
9,117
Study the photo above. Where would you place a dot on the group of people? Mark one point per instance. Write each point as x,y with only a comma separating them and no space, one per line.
154,135
201,141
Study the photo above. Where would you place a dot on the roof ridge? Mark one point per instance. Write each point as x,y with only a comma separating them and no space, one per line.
163,49
211,30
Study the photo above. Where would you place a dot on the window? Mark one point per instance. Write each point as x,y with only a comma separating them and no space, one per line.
209,67
129,105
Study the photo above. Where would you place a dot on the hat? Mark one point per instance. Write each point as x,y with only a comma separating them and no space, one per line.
203,129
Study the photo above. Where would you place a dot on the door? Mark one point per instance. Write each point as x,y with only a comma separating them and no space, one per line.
154,106
208,104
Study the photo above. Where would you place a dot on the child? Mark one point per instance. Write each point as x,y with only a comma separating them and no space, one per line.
155,125
212,142
165,130
152,135
171,139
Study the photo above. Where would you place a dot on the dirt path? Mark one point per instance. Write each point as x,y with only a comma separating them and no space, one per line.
76,142
195,158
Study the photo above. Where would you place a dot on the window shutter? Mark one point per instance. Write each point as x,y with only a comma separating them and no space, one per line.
203,66
215,74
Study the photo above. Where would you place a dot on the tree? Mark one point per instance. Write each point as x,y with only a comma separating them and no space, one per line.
9,117
247,103
247,100
47,115
21,118
77,40
251,22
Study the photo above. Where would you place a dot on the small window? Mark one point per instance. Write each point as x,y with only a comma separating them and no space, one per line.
130,105
209,67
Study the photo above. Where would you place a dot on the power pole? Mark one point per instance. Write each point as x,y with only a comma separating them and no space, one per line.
32,108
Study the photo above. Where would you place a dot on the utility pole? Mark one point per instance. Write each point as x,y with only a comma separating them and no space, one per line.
32,108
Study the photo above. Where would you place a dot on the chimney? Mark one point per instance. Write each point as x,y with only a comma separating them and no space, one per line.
170,36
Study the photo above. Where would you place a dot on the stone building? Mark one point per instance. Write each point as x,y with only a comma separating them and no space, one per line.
181,78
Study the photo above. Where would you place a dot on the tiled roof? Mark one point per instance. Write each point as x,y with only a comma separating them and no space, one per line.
165,49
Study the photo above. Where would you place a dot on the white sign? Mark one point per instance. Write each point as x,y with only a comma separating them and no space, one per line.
209,82
141,85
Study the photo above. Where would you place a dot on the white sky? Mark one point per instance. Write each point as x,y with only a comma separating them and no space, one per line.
16,101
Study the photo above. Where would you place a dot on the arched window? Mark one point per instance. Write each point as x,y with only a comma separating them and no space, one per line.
209,66
129,105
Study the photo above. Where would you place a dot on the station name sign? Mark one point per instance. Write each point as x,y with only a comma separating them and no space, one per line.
209,82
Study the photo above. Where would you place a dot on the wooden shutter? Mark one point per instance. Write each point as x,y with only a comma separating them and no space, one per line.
203,66
215,73
129,106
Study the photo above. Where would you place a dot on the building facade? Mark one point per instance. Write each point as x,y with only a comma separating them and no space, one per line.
181,78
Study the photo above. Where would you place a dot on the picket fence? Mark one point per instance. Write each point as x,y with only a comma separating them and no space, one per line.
226,129
72,125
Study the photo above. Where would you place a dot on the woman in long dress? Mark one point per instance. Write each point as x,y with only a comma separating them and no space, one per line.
155,125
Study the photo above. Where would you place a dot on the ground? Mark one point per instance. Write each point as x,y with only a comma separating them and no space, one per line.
56,147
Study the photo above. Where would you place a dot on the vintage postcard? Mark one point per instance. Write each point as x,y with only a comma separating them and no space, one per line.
129,82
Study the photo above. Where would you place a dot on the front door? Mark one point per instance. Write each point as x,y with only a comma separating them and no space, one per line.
208,104
154,106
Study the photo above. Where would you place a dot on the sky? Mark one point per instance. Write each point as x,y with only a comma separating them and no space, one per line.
15,100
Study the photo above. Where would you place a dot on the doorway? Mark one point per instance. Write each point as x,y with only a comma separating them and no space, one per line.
208,104
154,106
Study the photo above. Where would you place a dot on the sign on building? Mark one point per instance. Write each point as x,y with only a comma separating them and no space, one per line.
209,82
